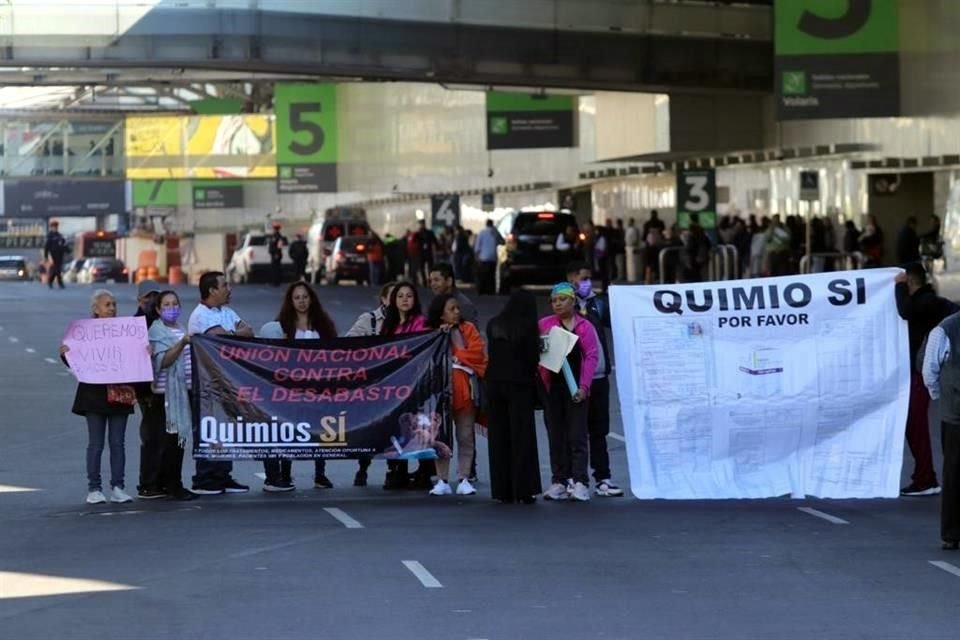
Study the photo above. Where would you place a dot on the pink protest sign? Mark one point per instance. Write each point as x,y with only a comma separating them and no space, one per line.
109,350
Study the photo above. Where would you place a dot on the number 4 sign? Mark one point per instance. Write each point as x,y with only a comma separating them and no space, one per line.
697,197
307,137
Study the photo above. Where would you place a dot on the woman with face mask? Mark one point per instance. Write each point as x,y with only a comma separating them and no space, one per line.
301,317
566,414
172,383
469,367
106,408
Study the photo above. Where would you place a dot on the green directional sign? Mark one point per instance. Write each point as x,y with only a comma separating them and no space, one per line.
156,197
217,194
307,137
836,58
522,121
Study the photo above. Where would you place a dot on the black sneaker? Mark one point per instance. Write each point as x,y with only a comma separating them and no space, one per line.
207,490
914,490
360,480
183,495
322,482
232,486
396,480
278,487
151,494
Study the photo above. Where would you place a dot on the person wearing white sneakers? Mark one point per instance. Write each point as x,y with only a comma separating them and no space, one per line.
469,366
106,408
566,415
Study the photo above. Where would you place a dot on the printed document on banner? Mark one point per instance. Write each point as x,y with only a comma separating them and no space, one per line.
766,387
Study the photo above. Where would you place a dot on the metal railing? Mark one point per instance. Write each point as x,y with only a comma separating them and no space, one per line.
724,263
818,261
662,260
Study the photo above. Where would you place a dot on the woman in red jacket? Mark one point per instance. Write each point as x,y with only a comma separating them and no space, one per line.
469,367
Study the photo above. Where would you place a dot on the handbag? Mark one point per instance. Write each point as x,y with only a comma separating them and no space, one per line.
121,394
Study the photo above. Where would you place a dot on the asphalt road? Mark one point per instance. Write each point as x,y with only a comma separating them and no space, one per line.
363,563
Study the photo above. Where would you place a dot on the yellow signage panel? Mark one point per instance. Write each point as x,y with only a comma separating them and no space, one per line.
211,147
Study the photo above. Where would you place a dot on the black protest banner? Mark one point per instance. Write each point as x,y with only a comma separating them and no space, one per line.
305,399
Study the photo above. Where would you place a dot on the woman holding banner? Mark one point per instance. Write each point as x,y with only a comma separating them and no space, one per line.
469,366
301,317
172,375
513,340
565,408
106,408
403,315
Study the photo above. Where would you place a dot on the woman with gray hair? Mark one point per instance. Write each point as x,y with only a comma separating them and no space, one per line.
106,408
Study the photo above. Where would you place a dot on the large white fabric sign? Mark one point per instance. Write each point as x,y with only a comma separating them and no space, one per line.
766,387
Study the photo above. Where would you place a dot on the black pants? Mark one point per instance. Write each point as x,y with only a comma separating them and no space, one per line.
486,278
56,273
950,481
161,460
276,267
301,268
152,431
512,441
567,434
320,466
598,428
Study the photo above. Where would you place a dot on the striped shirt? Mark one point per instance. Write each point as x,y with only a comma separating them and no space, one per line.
160,385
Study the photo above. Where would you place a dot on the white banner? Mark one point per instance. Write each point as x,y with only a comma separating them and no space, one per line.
766,387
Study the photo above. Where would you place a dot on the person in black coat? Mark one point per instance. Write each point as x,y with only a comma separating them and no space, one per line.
923,309
513,344
908,243
55,250
106,410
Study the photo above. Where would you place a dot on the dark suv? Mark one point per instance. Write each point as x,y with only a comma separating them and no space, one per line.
536,251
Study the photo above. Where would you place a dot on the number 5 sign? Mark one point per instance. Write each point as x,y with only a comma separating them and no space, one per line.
697,197
307,141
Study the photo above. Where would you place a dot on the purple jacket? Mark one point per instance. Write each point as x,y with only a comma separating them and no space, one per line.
589,345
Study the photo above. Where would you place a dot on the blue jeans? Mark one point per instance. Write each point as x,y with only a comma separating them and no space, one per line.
98,426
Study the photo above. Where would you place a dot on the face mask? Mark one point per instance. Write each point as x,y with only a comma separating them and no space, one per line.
171,314
585,288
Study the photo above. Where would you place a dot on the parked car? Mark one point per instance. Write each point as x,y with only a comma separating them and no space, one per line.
14,268
348,259
251,260
71,270
323,235
531,253
107,270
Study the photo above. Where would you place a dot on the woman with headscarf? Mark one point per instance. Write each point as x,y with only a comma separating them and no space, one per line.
566,412
513,341
172,375
301,317
106,408
469,367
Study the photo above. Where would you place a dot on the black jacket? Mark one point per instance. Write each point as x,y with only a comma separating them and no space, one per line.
92,398
298,251
908,246
923,311
55,248
513,358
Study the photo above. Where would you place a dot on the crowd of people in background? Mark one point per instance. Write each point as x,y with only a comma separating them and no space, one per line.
497,385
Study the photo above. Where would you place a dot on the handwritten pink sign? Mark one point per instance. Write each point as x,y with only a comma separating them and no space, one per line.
109,350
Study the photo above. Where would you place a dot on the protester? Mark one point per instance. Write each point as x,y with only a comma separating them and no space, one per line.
106,408
597,311
403,315
871,243
443,283
758,248
486,248
170,406
462,255
469,367
54,251
566,415
275,247
908,243
654,222
370,322
696,253
778,238
151,428
214,317
301,317
941,375
427,245
299,254
923,309
513,340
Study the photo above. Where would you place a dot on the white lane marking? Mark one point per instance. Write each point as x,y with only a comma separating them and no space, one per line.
344,519
824,516
13,340
946,566
420,572
29,350
50,360
32,585
616,436
10,488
